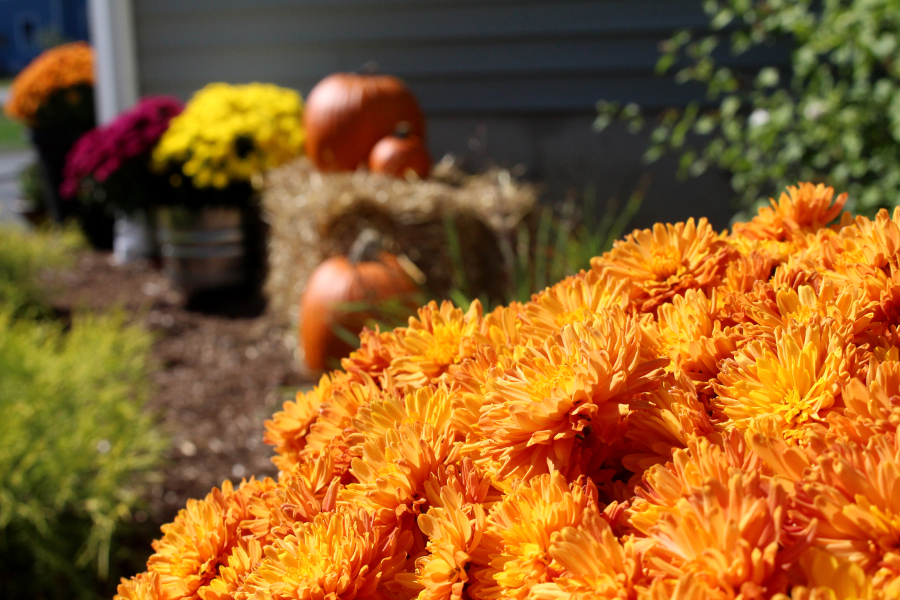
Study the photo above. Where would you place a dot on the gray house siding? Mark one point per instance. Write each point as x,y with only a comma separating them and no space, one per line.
505,79
461,56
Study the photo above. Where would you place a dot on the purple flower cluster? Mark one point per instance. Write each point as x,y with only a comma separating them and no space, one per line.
101,151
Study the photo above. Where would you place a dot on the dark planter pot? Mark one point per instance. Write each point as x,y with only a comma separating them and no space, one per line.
52,148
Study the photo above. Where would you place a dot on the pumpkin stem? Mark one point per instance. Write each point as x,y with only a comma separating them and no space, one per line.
402,130
369,68
366,247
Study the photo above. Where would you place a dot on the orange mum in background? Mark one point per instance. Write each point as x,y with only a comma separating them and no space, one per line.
55,69
701,415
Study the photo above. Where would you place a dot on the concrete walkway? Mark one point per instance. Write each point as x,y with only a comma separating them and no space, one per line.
11,164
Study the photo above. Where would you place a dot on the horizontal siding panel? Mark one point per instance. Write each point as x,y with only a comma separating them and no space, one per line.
411,23
533,95
283,63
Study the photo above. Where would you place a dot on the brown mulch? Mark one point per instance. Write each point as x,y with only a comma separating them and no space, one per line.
221,368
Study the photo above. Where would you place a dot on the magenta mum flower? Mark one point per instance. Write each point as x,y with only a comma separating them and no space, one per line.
103,150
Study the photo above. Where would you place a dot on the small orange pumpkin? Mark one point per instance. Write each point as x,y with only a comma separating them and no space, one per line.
346,114
366,274
398,153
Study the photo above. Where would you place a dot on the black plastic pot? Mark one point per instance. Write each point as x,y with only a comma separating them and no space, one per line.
52,147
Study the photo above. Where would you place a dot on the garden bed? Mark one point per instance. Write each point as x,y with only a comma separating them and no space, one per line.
221,369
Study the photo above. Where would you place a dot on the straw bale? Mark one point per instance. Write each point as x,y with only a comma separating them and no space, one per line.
314,215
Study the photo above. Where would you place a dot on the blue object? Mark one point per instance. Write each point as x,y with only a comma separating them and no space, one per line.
28,27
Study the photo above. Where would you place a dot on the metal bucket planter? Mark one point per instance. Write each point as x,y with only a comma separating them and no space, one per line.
202,249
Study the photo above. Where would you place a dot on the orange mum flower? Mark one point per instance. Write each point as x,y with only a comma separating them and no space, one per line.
874,405
329,432
287,430
854,494
143,586
727,533
710,388
743,272
340,555
796,384
431,406
514,552
540,410
192,548
434,344
299,496
803,209
595,565
664,420
242,562
666,261
54,70
393,468
774,308
829,577
454,530
691,335
502,328
572,300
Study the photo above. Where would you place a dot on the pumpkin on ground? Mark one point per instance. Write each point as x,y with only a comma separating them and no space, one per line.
366,274
398,153
346,114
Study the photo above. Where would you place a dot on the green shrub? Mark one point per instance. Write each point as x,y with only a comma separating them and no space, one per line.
73,448
23,255
832,117
76,447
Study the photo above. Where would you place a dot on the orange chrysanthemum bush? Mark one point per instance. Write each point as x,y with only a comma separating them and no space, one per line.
700,415
58,70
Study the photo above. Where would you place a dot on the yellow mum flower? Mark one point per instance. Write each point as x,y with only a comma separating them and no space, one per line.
228,133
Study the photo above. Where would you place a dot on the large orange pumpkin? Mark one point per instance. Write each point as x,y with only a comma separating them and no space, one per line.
346,114
398,153
377,275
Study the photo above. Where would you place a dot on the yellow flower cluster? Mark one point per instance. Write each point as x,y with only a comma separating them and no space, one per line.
54,70
701,415
229,133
